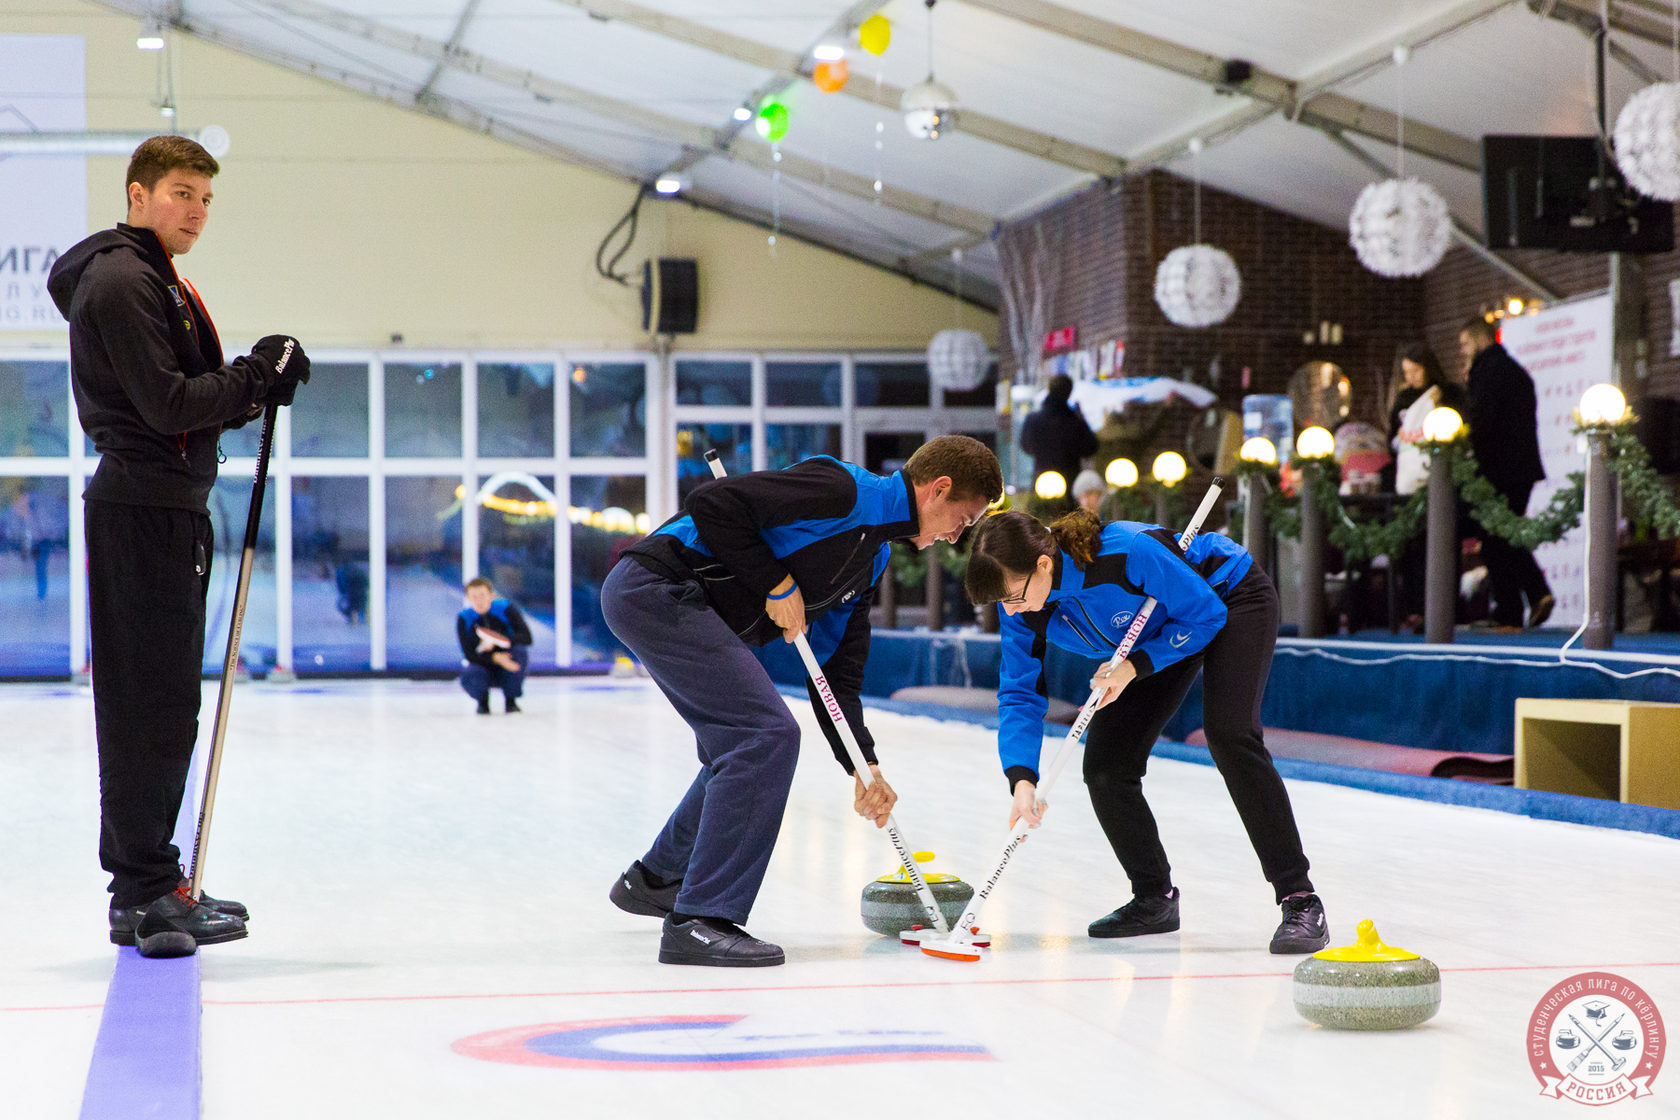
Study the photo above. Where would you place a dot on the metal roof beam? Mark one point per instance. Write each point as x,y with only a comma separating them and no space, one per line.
464,115
454,44
790,66
1320,108
639,117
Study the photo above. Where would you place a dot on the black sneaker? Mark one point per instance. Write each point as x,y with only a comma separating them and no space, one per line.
173,926
1138,917
219,905
1303,929
484,706
1541,611
715,942
633,894
512,705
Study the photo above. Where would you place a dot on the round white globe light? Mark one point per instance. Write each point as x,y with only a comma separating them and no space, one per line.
1400,227
1197,285
1121,473
1258,449
1442,425
1603,404
929,109
1315,443
1647,141
958,360
1050,484
1170,468
214,139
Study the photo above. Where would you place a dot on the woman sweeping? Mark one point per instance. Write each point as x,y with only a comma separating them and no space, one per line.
1078,583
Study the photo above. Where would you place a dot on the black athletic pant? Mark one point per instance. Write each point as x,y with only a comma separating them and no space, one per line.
148,572
1235,664
1511,571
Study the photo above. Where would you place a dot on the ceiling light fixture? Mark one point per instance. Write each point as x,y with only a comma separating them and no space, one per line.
828,52
671,184
151,35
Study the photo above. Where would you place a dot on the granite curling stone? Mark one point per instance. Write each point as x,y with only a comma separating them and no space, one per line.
1367,986
890,905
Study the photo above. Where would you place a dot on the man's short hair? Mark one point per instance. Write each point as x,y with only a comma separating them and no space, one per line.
969,464
480,581
160,155
1478,328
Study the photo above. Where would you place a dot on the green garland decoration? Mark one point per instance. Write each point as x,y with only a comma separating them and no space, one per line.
1561,514
1643,491
909,563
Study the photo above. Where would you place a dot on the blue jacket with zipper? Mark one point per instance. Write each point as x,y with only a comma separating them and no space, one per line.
1089,611
824,522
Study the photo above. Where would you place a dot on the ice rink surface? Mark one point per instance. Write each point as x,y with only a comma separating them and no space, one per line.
432,938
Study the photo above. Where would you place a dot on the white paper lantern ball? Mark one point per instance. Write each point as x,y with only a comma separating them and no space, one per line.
1197,285
957,361
1648,141
1400,227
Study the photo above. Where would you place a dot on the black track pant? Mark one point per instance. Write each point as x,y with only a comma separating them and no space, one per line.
1512,572
148,572
1235,664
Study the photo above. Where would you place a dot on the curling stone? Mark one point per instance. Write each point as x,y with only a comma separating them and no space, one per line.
890,904
1367,986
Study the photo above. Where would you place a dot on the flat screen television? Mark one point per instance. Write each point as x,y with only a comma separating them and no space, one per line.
1558,192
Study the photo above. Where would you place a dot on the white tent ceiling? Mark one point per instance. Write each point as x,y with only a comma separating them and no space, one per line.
1054,95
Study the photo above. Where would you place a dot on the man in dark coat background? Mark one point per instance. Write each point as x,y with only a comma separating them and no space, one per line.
1502,414
1056,436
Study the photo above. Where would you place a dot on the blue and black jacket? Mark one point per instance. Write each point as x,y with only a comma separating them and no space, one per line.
825,523
1089,611
503,618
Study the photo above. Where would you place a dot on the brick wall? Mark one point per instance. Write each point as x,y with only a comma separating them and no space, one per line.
1295,275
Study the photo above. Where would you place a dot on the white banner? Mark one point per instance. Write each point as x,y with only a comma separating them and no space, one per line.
46,205
1565,348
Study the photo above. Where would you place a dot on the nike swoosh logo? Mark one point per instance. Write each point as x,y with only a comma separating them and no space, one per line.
1179,639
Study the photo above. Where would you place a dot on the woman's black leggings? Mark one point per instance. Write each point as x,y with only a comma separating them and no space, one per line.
1235,665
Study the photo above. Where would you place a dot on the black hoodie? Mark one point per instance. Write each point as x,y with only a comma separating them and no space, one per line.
151,389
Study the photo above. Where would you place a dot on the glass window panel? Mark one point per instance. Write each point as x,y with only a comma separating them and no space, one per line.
891,384
330,414
422,410
983,395
721,384
34,576
516,551
516,409
608,515
609,409
34,409
733,443
422,572
230,507
802,384
787,444
330,574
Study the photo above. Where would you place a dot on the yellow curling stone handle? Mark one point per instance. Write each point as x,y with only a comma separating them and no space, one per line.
1369,947
902,876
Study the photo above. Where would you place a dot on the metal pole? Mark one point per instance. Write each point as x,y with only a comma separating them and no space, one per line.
889,600
1601,549
1256,532
1312,555
1440,600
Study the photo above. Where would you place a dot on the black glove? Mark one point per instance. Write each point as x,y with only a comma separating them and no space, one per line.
284,364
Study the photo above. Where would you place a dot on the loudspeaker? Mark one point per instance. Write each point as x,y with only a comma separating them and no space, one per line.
670,295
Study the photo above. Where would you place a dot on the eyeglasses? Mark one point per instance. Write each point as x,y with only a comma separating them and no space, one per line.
1020,597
